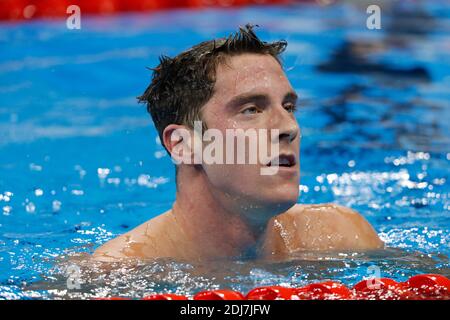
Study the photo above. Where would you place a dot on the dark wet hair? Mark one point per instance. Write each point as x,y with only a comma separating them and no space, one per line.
180,86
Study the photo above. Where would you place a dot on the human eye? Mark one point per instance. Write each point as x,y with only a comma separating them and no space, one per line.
290,107
250,110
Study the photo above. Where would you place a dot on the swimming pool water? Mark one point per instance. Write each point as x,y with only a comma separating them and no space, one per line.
80,161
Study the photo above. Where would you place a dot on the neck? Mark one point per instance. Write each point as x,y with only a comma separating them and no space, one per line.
213,229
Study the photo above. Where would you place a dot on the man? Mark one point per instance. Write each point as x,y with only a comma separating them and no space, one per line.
231,209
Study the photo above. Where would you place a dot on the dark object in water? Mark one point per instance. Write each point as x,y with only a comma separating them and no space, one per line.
348,60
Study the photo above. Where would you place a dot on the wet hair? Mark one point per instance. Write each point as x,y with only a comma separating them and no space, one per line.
180,86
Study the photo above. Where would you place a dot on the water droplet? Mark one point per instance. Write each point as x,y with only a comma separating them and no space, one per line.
103,172
159,154
30,207
7,210
35,167
115,181
56,205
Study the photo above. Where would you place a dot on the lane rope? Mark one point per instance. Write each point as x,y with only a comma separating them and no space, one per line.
419,287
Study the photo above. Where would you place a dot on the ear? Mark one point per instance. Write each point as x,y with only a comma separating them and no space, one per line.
178,140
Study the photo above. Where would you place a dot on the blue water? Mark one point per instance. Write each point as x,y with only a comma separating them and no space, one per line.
80,161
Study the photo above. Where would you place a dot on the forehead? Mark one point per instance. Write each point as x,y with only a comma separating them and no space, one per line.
249,73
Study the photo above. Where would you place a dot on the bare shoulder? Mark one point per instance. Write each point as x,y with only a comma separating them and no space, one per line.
329,213
333,226
322,227
141,242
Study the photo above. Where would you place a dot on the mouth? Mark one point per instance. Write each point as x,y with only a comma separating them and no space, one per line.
283,160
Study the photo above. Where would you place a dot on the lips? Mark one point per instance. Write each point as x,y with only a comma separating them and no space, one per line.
283,160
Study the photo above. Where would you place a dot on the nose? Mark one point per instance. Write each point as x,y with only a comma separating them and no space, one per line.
289,135
288,126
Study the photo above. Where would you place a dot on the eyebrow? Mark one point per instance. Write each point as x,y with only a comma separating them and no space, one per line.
244,98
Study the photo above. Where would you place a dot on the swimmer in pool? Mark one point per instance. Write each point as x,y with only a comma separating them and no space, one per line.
230,209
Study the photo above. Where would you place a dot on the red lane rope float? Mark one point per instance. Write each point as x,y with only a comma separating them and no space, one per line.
113,298
419,287
219,295
381,289
28,9
167,296
270,293
429,285
329,290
